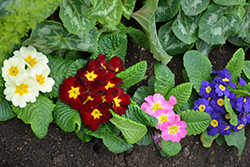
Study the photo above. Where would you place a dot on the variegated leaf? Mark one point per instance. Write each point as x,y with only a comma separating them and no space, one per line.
166,10
194,7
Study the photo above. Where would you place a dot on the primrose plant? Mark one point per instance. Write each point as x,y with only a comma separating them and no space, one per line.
224,96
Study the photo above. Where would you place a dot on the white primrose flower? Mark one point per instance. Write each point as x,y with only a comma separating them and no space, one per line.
36,61
23,89
45,82
12,69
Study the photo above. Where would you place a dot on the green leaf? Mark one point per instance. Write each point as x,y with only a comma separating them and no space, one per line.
6,112
245,26
82,135
138,37
182,93
74,67
204,47
136,114
219,22
240,92
229,109
166,10
235,65
237,139
197,121
246,68
164,79
73,55
186,28
131,131
147,139
230,2
38,114
220,140
127,8
194,7
110,140
71,14
170,148
145,17
198,68
67,118
206,139
49,36
170,43
133,74
105,11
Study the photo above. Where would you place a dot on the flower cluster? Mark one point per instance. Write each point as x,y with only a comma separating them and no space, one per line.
94,90
212,102
25,74
169,123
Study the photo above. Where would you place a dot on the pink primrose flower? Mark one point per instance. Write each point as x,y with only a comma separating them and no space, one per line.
172,100
164,115
174,131
155,102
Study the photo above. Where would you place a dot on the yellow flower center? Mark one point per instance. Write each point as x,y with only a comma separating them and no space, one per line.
104,99
31,61
208,89
227,128
22,89
228,116
74,92
202,107
157,106
163,118
240,126
117,101
214,123
13,71
96,114
109,85
40,79
90,76
103,66
88,98
225,80
220,102
173,129
222,87
117,69
245,100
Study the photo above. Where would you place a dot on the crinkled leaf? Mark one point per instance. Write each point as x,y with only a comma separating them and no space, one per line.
105,11
170,148
49,36
204,47
74,66
164,79
118,29
198,68
206,139
189,105
72,16
73,55
230,2
186,28
133,74
145,17
220,140
82,135
67,118
235,65
110,140
170,43
219,22
138,37
238,41
131,131
127,8
237,139
197,121
245,26
194,7
246,68
240,92
38,114
229,109
6,112
147,139
166,10
182,93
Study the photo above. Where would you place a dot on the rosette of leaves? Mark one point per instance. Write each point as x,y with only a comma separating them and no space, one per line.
198,69
164,83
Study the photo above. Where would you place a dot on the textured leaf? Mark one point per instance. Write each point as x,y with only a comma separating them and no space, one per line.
186,28
182,93
164,79
198,68
133,74
138,37
67,118
110,140
197,121
136,114
127,8
6,112
71,14
147,139
49,36
229,109
204,47
245,26
240,92
238,41
194,7
170,148
38,114
73,55
219,22
170,43
230,2
220,140
189,105
246,68
237,139
131,131
206,139
235,65
145,17
105,11
166,10
82,135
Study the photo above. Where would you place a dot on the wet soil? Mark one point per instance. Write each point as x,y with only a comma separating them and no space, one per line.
20,147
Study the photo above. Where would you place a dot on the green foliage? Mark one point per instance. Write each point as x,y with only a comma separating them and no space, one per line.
170,148
147,139
229,109
194,7
246,68
82,135
6,112
220,140
166,10
206,139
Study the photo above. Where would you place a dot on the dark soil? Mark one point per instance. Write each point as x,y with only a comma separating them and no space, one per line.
20,147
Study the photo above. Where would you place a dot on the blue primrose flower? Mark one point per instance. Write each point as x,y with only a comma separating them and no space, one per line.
241,124
213,72
217,124
202,105
243,104
242,81
232,99
226,131
217,103
221,90
207,89
225,78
